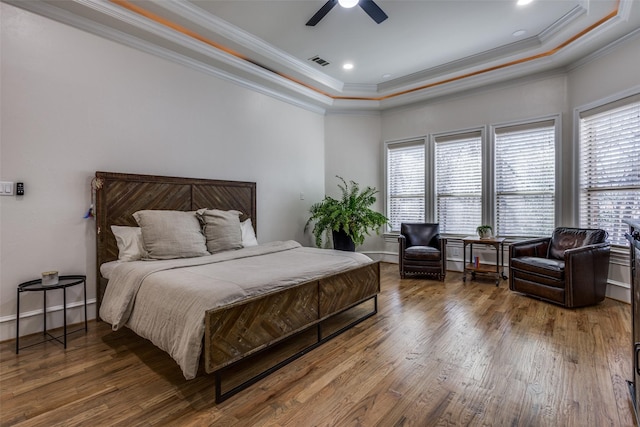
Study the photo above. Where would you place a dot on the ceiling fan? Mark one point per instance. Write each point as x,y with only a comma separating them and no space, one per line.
372,9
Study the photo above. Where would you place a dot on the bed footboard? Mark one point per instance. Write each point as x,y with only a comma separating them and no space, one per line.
238,331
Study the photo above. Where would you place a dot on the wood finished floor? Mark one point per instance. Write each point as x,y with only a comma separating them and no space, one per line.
436,354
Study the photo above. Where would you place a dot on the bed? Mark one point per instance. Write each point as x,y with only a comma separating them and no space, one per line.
316,296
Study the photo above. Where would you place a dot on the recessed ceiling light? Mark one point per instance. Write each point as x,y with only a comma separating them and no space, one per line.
519,33
386,76
347,66
523,2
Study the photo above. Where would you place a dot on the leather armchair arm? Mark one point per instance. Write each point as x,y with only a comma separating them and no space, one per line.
402,243
442,244
586,273
586,248
435,242
532,247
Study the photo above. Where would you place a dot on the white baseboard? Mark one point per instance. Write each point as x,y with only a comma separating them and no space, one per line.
619,291
31,322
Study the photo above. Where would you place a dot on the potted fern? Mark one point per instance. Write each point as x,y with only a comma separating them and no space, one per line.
349,218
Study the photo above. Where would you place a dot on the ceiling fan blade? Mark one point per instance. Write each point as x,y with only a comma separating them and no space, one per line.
322,12
373,10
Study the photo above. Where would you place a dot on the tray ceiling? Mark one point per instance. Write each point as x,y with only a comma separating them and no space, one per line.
426,48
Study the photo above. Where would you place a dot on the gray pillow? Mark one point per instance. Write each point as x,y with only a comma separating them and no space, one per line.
171,234
221,229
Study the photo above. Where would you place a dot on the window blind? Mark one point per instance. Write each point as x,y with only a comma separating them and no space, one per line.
525,179
405,183
610,167
459,183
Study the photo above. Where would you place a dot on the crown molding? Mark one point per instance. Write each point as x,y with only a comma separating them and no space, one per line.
464,74
459,64
354,112
189,11
555,28
604,50
65,17
476,89
353,89
237,64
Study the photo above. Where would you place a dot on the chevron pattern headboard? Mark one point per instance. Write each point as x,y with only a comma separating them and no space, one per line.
119,195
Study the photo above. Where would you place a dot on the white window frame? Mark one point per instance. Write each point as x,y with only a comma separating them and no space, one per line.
432,181
488,199
421,140
577,114
492,196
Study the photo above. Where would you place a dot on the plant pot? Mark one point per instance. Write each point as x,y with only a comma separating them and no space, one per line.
484,234
342,242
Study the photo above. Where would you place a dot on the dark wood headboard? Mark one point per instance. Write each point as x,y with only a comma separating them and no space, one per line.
119,195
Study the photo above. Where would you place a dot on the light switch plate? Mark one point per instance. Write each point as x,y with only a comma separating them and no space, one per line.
6,188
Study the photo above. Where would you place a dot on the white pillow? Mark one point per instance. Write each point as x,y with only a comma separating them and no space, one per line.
130,244
248,234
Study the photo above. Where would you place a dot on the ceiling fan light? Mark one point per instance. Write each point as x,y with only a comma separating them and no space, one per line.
348,3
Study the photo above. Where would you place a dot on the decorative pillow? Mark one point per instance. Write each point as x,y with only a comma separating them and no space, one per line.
171,234
130,244
221,229
248,233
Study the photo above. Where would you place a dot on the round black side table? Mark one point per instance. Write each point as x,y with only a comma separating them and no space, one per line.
36,286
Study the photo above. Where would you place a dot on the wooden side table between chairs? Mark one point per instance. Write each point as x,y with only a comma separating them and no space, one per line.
64,282
473,267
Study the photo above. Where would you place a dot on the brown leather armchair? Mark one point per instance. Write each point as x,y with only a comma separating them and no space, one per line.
422,250
569,268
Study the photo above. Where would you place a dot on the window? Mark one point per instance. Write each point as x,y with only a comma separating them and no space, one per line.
458,160
405,183
525,157
462,180
610,167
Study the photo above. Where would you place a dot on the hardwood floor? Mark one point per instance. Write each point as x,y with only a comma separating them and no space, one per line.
436,354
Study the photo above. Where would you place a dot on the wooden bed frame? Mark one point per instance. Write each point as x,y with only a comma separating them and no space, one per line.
244,330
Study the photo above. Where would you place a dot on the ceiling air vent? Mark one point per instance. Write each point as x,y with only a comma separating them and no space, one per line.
319,61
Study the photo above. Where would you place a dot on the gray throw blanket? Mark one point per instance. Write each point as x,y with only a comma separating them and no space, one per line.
166,301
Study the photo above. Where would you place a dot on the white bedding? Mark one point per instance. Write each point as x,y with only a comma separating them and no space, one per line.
165,301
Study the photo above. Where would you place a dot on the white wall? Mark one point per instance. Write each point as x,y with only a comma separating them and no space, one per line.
522,99
612,73
73,103
352,151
